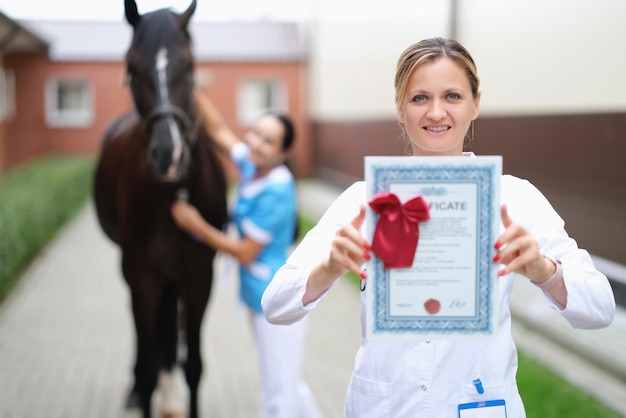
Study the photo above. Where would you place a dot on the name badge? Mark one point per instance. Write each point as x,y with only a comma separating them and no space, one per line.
483,409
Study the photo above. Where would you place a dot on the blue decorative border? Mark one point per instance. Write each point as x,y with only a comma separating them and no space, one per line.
483,177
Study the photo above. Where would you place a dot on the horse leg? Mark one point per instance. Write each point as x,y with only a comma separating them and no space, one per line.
145,295
167,337
195,301
134,399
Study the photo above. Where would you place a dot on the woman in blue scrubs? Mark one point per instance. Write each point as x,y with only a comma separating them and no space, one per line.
265,215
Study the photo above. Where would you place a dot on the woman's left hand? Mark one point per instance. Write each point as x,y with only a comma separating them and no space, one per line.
517,250
186,216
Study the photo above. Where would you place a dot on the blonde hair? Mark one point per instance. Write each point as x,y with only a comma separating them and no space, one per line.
429,50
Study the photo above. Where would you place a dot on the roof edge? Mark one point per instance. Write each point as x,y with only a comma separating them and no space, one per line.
32,41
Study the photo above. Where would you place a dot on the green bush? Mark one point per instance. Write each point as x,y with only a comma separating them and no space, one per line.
36,200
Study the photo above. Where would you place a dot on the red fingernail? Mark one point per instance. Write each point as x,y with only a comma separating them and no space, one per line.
496,258
498,245
501,272
367,256
363,275
367,246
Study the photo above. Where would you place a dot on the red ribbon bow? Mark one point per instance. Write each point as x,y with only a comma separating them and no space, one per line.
397,229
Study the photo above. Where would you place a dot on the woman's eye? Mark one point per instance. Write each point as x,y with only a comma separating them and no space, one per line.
419,99
454,96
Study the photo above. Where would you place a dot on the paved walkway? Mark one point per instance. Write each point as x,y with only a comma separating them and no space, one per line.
66,337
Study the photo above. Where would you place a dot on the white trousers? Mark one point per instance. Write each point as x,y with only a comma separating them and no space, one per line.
283,392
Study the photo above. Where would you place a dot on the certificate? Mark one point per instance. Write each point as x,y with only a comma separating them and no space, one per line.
450,289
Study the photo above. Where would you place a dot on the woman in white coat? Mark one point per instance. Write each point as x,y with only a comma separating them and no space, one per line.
437,99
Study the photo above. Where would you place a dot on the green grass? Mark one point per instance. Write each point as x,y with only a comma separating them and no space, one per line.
545,394
304,225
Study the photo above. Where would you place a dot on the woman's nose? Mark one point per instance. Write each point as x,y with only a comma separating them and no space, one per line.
436,111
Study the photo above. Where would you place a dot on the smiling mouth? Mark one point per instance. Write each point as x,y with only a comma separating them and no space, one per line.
437,129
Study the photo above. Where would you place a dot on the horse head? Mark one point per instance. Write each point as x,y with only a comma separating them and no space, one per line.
160,67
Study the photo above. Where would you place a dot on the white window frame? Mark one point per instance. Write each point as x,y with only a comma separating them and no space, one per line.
7,94
256,96
69,118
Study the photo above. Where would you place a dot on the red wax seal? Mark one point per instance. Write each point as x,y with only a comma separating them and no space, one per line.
432,306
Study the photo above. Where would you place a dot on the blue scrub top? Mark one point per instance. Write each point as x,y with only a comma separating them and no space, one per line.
266,211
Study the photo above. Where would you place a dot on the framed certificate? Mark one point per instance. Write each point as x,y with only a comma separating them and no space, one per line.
450,289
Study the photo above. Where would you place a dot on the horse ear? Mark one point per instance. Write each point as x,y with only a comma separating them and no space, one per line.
186,16
132,14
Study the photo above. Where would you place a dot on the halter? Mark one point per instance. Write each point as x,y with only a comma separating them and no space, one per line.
174,111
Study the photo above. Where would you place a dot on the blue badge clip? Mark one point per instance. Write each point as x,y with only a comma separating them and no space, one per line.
479,386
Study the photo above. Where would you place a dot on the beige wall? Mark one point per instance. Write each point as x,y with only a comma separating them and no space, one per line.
533,56
354,52
547,56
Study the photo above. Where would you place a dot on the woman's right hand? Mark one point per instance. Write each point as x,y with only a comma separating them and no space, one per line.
349,249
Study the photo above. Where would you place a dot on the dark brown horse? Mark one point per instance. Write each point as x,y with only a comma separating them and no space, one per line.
147,156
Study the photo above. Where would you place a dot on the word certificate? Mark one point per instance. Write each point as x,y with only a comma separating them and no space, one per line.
450,287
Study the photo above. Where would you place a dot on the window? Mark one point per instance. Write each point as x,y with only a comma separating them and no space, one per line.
7,94
258,96
69,103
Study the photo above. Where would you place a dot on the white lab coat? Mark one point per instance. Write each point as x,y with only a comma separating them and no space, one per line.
431,378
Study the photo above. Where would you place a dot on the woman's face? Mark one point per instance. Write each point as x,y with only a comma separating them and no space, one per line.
438,108
266,143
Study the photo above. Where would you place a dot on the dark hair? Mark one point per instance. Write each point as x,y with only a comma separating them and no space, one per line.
290,132
288,138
